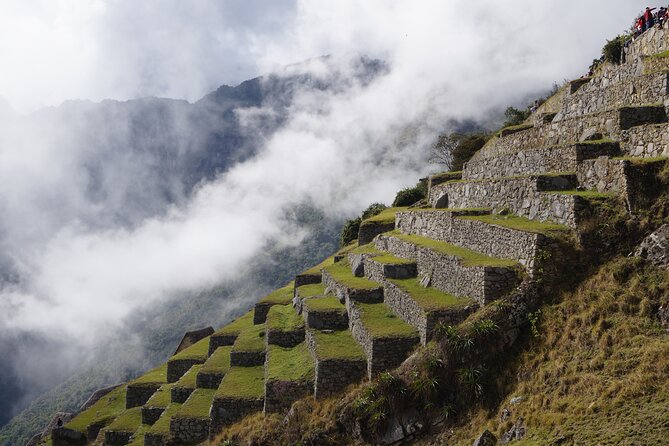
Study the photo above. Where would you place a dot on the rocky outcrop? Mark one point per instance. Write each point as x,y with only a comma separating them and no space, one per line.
655,247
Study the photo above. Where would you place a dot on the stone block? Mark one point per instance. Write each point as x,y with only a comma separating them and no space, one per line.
138,395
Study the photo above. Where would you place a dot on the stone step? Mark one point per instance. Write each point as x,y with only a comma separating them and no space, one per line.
339,280
378,224
566,158
289,376
386,339
121,430
339,360
214,369
282,296
241,393
626,176
453,269
501,236
523,196
646,141
306,292
156,405
159,433
284,327
249,348
191,424
313,274
183,388
228,334
425,308
141,389
184,360
325,313
367,261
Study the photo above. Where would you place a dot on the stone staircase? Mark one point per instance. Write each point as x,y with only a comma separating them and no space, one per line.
363,311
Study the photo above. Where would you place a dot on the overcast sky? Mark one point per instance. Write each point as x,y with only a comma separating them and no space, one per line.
53,50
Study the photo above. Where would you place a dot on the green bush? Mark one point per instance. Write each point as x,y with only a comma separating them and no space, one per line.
613,50
515,116
410,195
350,231
456,149
373,209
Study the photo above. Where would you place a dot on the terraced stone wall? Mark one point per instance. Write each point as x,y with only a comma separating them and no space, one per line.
319,320
603,175
285,339
176,368
280,395
225,411
114,438
139,395
647,141
151,414
189,430
651,42
333,375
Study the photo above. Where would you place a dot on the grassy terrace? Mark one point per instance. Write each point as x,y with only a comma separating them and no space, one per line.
138,436
197,405
322,304
236,326
381,322
155,376
105,410
314,270
161,398
385,217
430,299
128,421
587,194
341,272
189,379
316,289
639,161
337,345
218,362
445,176
520,224
284,318
290,364
243,382
514,129
281,296
250,340
198,351
456,211
381,256
512,177
467,256
162,426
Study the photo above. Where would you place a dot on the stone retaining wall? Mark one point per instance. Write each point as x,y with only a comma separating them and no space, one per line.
247,359
93,430
447,274
604,175
651,42
138,395
225,411
62,436
221,340
280,395
307,279
189,430
344,293
286,339
209,380
367,232
116,438
333,375
646,141
325,320
180,394
151,414
151,439
176,368
425,322
260,312
379,272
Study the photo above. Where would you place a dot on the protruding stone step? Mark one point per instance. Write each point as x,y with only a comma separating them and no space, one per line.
183,361
376,265
575,85
634,116
373,226
506,131
501,236
183,388
443,177
339,360
120,431
453,269
159,433
338,279
306,292
191,423
249,348
313,274
156,405
424,308
285,327
141,389
228,334
289,376
212,372
325,313
386,339
282,296
241,393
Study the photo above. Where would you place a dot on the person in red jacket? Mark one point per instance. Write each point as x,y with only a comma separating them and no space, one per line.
639,26
648,17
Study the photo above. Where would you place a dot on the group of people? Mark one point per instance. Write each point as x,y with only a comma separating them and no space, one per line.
649,19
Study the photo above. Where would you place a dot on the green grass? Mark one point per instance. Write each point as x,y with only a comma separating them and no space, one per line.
250,340
595,142
315,270
138,436
322,304
381,256
446,176
316,289
128,421
198,351
430,299
105,410
381,322
641,161
521,224
337,345
587,194
385,217
197,405
162,397
284,318
155,376
660,55
218,362
341,272
290,364
467,257
188,381
455,211
515,128
243,382
281,296
162,426
236,326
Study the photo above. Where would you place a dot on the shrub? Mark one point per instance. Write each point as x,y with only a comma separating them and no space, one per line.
350,231
456,149
373,209
613,50
410,195
515,116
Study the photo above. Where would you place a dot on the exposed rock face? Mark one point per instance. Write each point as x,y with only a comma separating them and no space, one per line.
191,337
63,417
516,432
485,439
655,247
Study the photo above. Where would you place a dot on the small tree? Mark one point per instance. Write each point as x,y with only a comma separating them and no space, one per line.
613,50
350,231
456,149
373,209
514,116
410,195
